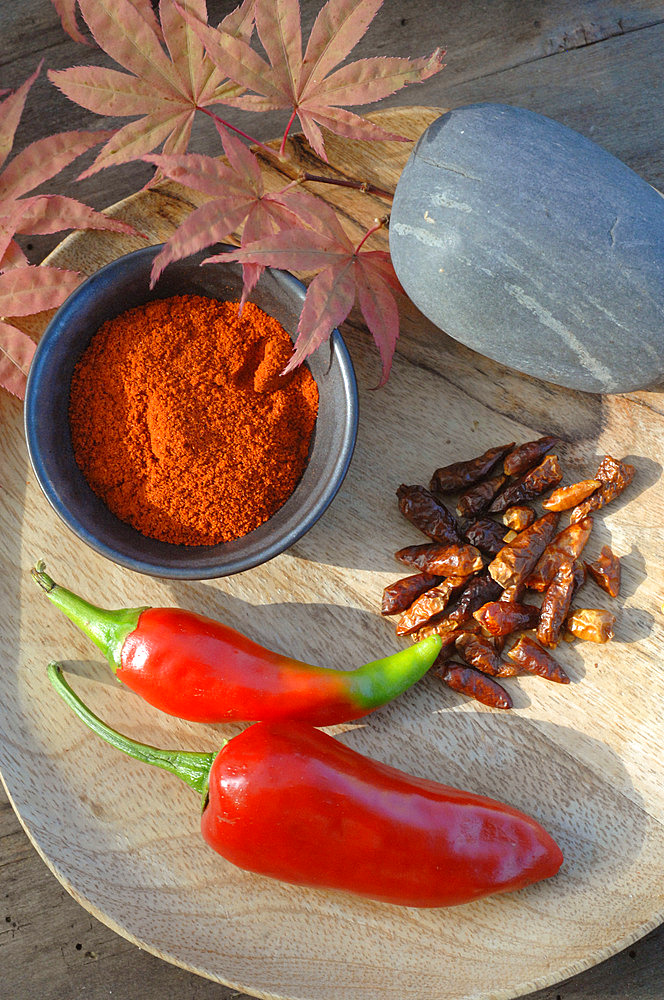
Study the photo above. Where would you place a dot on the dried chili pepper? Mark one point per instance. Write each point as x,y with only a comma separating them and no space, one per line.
592,624
399,596
567,546
428,514
448,633
605,571
479,652
497,641
477,592
535,482
569,496
580,575
433,602
442,560
469,681
405,846
478,498
614,476
515,561
555,605
513,593
529,656
198,669
486,535
519,517
503,617
455,477
446,628
527,455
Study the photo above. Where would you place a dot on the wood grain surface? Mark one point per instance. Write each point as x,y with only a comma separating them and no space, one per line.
584,759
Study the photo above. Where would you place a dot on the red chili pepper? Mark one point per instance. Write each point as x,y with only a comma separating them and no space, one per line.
198,669
291,802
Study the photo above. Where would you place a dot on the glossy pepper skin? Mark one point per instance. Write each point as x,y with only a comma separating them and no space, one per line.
290,802
200,670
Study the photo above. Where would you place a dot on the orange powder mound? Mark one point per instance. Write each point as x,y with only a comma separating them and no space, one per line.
182,423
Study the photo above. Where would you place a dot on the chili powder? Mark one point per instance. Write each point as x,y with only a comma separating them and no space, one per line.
182,423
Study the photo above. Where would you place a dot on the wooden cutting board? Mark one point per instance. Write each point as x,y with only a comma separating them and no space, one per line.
584,759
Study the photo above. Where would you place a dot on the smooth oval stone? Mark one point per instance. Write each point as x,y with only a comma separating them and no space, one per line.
535,247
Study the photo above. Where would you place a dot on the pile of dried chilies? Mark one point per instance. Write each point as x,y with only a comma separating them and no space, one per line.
474,572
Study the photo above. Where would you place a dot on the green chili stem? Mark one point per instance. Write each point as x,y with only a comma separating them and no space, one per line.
107,629
193,768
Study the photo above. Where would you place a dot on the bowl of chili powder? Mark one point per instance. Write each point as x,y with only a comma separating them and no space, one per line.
160,426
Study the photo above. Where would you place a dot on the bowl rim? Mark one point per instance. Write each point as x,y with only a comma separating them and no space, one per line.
145,565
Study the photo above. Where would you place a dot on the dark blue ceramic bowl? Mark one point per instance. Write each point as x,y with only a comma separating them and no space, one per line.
122,285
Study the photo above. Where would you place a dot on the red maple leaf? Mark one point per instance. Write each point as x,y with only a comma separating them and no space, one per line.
237,197
347,274
25,289
66,10
305,84
162,89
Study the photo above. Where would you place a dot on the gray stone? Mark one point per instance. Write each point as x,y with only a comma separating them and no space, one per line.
535,247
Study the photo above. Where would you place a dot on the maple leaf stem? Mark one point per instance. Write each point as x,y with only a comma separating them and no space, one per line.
363,186
292,118
379,224
233,128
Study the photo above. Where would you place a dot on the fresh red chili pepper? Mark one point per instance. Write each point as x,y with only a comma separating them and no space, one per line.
198,669
291,802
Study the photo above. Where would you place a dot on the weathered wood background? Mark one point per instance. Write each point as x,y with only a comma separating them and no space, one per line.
595,66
